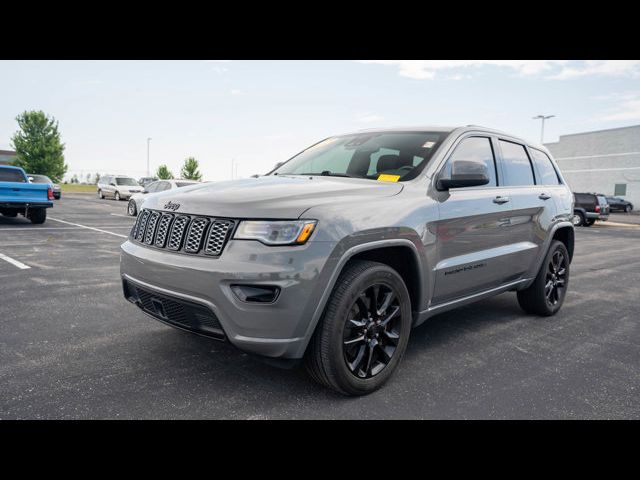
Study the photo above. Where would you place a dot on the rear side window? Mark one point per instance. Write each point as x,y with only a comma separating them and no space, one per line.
584,198
11,175
474,149
547,173
152,187
517,167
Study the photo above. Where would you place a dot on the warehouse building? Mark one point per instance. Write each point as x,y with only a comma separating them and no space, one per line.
7,156
603,161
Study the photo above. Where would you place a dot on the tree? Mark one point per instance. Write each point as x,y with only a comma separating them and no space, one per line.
163,173
97,177
74,179
38,146
190,169
88,178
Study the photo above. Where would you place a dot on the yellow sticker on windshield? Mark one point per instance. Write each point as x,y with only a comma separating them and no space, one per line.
388,178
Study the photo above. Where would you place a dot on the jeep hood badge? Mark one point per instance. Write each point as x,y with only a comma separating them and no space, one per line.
171,206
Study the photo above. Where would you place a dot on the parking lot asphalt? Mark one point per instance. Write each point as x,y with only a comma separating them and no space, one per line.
72,347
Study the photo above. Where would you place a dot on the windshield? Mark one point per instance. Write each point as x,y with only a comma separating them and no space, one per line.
392,156
40,179
184,184
127,181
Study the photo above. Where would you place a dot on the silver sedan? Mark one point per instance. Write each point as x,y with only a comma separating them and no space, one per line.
133,207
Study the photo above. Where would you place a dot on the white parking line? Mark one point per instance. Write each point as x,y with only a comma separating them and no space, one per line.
31,229
119,215
18,264
89,228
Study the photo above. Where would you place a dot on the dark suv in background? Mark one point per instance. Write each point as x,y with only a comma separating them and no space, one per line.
589,207
617,204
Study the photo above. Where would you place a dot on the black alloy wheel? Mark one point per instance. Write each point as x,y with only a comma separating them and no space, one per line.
372,331
555,285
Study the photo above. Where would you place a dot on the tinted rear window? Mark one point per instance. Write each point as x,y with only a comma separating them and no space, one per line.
518,170
184,184
11,175
41,179
547,173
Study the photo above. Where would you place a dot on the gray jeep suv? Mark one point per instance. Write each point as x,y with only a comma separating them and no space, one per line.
336,254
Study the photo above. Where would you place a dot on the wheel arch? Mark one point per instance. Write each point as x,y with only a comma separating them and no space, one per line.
373,251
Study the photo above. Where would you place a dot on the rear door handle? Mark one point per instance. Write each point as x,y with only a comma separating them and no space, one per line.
500,200
544,196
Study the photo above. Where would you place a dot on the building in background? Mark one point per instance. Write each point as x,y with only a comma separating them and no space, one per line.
7,156
603,161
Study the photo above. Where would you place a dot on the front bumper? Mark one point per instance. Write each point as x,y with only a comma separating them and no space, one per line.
280,330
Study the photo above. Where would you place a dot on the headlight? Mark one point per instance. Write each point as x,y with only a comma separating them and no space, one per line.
281,232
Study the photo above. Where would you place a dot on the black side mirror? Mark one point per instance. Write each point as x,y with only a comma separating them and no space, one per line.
112,184
465,174
145,191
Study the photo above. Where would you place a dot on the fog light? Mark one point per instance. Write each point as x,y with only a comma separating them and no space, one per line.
256,293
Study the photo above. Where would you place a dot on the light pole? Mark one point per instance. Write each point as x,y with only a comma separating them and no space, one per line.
148,142
543,118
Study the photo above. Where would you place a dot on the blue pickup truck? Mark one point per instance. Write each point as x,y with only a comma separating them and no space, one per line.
18,196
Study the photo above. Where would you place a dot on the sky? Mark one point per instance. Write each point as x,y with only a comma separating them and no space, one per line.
257,113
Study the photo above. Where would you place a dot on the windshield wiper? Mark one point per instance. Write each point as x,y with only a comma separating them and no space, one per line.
328,173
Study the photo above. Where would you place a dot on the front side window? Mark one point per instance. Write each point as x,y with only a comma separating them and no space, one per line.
125,181
474,149
400,155
162,186
152,187
517,167
548,175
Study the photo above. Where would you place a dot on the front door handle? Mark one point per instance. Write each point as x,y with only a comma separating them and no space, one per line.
500,200
544,196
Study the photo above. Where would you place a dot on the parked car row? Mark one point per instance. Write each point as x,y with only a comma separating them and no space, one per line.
154,187
589,207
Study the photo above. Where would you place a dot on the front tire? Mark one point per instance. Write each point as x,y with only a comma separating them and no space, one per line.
364,330
546,294
117,196
627,208
131,208
38,216
100,195
578,219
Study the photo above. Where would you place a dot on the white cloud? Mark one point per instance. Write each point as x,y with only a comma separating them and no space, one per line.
427,69
600,67
553,69
369,118
627,110
235,91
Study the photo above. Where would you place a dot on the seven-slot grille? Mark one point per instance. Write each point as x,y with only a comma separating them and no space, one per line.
182,233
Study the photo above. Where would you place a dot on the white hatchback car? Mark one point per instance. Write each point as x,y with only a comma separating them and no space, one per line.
133,207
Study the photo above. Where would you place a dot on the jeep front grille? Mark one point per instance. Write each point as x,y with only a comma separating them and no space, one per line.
182,233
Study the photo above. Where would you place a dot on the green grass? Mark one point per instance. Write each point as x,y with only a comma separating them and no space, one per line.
77,188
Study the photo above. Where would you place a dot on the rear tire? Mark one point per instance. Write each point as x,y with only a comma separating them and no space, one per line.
546,294
117,196
627,208
589,222
359,343
38,216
